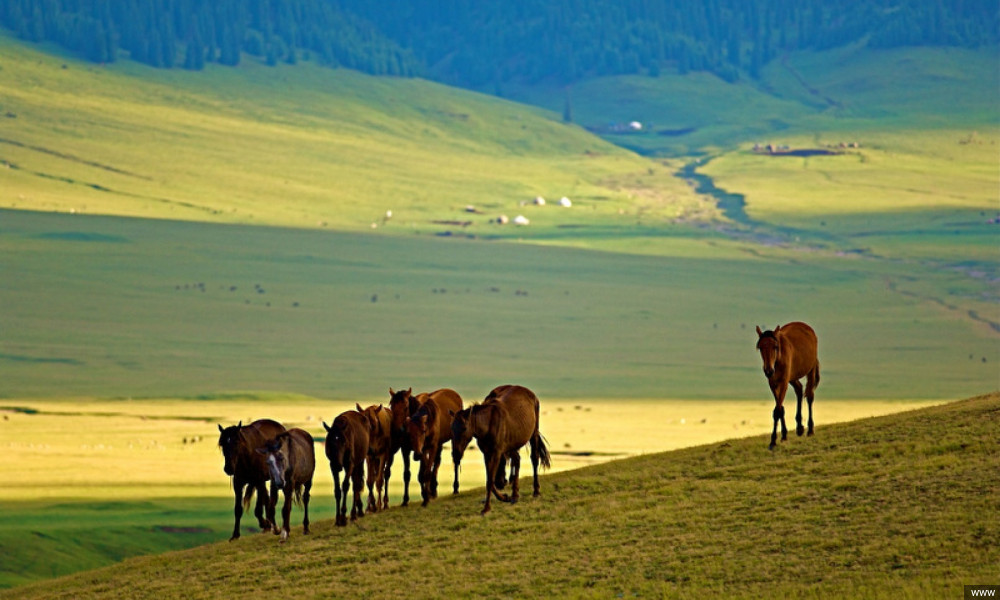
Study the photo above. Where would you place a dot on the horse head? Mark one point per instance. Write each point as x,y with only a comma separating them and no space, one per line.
399,406
276,452
461,432
417,428
770,349
229,442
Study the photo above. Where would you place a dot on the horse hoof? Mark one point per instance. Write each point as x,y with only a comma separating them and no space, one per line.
235,537
810,432
800,430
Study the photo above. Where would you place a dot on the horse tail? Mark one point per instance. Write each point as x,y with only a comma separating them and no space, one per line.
816,381
543,452
297,497
247,496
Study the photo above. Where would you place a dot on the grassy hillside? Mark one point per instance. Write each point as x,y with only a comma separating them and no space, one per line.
848,89
91,482
294,146
886,507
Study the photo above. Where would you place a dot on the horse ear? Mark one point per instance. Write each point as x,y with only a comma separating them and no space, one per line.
452,413
239,425
391,393
221,430
410,391
378,409
776,328
358,406
326,427
759,332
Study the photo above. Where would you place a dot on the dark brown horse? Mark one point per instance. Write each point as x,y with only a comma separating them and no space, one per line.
291,460
402,404
379,455
249,469
502,425
429,428
789,354
347,448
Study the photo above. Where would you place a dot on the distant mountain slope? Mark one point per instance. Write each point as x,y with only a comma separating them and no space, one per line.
337,148
482,44
897,506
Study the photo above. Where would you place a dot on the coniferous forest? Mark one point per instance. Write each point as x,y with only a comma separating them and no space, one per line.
479,43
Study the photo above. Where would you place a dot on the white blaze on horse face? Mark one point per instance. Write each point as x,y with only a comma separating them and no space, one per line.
274,463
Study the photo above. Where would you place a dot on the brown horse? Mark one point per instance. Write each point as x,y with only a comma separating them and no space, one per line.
402,404
347,448
249,469
429,428
461,435
379,455
291,459
502,425
789,354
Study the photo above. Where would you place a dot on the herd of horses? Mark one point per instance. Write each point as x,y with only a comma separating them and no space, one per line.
420,425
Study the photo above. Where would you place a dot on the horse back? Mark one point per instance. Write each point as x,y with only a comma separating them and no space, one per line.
445,401
799,341
304,451
520,414
257,435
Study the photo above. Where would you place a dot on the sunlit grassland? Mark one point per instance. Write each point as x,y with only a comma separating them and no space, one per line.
304,146
92,481
893,506
99,306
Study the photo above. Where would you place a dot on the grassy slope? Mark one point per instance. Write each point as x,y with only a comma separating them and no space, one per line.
304,147
90,482
897,506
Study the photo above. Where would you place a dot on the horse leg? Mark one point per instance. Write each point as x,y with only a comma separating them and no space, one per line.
286,511
500,479
812,380
491,468
272,505
259,506
237,509
434,473
406,477
372,474
340,519
423,478
305,506
799,430
388,473
358,509
515,475
535,440
455,485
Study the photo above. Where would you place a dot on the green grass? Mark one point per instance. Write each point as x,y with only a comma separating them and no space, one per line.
811,518
100,306
307,147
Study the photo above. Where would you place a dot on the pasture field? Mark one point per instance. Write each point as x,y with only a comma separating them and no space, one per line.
90,482
101,306
894,506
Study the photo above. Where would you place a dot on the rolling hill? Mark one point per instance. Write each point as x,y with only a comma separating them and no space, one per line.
896,506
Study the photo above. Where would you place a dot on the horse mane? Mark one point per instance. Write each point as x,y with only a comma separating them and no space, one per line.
767,335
